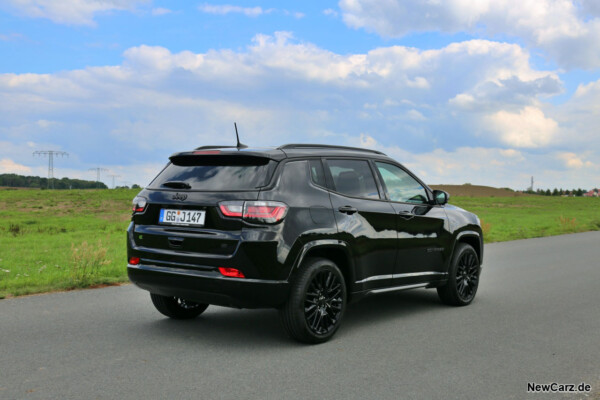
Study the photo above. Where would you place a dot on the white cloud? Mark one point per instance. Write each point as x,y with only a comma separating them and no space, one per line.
281,90
160,11
415,115
568,33
330,12
69,12
489,166
295,14
12,37
44,123
527,128
224,9
572,160
8,166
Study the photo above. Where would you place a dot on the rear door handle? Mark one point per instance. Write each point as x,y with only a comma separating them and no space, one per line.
347,210
406,214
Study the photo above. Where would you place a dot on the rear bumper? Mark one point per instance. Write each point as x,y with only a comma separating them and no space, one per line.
209,287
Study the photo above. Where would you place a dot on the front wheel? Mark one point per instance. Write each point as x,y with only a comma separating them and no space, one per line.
317,302
177,308
463,277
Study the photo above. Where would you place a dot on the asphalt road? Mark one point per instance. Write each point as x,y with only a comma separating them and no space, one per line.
536,318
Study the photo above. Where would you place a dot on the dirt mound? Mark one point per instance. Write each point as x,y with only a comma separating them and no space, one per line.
477,191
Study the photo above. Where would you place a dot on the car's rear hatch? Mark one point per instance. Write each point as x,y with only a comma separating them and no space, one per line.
192,185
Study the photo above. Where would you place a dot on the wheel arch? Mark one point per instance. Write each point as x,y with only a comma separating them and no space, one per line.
472,238
334,250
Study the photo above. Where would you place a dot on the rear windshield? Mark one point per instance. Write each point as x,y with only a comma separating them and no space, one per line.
217,173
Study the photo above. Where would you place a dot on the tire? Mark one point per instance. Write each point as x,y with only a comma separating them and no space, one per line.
463,277
177,308
317,302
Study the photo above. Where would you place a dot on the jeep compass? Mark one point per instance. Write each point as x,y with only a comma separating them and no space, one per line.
303,228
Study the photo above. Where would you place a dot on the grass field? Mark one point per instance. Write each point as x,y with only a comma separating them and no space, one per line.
510,218
57,240
60,240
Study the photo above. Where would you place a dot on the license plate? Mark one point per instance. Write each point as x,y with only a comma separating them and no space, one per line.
182,217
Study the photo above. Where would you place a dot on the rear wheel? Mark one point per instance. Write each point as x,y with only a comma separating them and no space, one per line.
463,277
177,308
317,302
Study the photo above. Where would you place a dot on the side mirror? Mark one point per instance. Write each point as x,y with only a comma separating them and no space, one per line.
440,197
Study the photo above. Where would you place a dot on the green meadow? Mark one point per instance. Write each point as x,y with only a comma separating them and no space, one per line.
511,218
61,240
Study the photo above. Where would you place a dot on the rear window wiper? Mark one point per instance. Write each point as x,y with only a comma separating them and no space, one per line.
177,185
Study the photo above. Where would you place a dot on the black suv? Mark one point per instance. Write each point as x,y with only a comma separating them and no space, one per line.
302,228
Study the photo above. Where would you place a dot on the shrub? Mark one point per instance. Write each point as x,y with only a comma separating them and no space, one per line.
87,261
485,227
567,224
15,229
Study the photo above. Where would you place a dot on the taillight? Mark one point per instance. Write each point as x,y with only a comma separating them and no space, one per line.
134,260
266,212
139,204
231,272
269,212
232,208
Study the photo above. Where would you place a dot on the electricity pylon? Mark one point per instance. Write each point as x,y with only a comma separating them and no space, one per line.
98,170
113,179
51,154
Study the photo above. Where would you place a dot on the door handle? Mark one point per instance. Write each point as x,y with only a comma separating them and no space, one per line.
406,214
347,210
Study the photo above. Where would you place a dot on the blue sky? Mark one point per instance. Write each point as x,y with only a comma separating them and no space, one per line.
460,91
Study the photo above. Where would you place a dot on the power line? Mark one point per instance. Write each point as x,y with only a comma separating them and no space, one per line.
98,171
113,179
50,154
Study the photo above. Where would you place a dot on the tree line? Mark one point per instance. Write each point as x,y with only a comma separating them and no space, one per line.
14,180
558,192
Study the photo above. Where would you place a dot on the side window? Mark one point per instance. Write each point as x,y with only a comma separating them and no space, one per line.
316,172
353,178
400,185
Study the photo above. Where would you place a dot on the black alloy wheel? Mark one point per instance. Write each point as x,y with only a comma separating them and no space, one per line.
463,277
467,276
323,302
317,302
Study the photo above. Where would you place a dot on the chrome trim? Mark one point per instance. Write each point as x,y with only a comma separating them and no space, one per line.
398,276
411,274
375,278
404,287
470,233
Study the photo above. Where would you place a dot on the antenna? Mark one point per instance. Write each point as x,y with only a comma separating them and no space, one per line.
98,170
51,154
239,145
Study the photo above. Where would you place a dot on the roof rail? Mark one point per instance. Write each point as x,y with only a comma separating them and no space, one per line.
325,146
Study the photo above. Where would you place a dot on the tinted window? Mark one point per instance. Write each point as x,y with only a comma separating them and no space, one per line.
316,172
400,185
216,176
353,178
